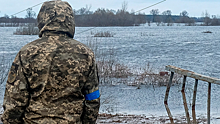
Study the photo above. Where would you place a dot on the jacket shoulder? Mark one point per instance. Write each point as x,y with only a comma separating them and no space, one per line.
78,47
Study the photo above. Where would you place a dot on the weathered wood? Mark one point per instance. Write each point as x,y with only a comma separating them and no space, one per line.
166,98
184,100
209,104
193,74
197,77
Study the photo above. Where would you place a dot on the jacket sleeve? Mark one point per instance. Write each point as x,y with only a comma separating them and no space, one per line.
16,94
92,97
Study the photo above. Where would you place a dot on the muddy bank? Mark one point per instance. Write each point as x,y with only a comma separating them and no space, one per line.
142,119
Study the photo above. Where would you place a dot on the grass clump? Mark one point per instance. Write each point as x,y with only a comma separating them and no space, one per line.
103,34
30,29
114,73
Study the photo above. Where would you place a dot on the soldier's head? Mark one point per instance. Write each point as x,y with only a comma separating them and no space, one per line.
56,17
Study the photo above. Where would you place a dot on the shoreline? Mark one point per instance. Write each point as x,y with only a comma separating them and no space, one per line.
140,119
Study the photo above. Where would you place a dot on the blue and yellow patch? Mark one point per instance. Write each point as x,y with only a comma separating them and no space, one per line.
92,96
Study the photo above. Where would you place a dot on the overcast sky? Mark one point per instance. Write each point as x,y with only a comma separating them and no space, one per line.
193,7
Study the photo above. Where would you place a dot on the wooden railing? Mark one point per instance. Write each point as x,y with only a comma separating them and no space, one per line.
197,77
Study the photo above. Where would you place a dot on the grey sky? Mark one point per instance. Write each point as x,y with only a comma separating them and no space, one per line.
194,7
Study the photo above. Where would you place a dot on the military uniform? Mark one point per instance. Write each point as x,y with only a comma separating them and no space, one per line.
53,80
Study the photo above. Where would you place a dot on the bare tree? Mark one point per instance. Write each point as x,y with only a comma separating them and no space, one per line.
167,17
124,6
6,16
83,11
30,16
185,19
184,13
215,20
206,19
155,13
167,12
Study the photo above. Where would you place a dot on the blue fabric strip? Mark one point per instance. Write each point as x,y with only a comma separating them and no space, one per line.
93,95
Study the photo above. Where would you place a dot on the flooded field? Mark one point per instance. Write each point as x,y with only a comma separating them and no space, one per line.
181,46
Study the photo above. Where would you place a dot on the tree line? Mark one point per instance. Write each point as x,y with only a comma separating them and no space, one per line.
14,21
167,17
85,17
106,17
121,17
101,17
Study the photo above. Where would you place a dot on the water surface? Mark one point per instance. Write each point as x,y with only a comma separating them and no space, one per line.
181,46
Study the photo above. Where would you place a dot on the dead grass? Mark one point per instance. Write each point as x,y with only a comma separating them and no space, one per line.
103,34
111,71
30,29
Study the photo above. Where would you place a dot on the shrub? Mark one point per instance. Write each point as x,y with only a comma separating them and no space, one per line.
112,71
30,29
149,76
103,34
207,32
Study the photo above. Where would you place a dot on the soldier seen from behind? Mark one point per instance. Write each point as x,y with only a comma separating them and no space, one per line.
53,80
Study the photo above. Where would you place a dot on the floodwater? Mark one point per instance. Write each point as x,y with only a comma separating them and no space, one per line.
181,46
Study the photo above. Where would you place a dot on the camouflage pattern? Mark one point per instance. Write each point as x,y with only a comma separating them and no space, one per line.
57,17
50,76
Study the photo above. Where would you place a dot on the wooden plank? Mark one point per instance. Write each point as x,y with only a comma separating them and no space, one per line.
192,74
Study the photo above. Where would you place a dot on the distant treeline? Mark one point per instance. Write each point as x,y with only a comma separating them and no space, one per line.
169,19
121,17
101,17
15,22
105,17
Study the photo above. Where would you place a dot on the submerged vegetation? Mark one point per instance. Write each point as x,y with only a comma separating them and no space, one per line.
103,34
111,71
206,32
30,29
115,73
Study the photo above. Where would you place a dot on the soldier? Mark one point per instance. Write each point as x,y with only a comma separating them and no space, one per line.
53,80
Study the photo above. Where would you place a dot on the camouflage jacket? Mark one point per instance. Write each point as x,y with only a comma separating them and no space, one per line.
53,80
